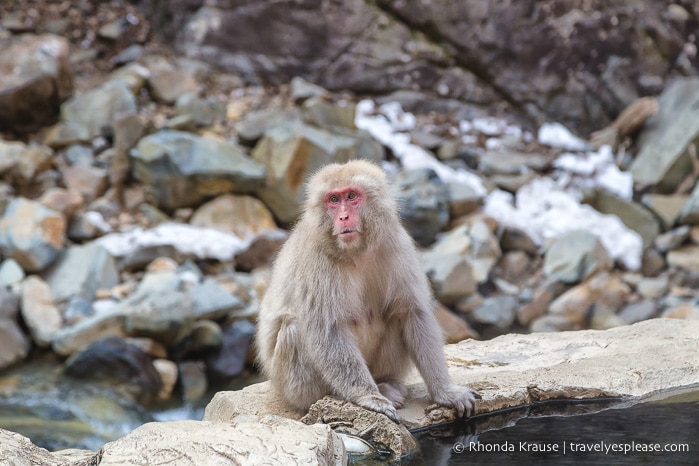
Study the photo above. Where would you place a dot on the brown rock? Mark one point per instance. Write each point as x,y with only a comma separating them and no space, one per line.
454,327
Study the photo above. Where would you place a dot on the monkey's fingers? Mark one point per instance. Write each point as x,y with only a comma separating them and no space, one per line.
380,404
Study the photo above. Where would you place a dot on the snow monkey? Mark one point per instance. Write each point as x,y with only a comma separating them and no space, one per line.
348,309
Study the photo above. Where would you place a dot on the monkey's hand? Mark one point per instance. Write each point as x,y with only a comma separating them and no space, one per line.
462,399
380,404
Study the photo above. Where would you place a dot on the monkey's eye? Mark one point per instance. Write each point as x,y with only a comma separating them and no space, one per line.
334,199
352,195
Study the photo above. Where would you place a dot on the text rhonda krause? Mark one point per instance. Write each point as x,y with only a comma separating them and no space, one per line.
572,447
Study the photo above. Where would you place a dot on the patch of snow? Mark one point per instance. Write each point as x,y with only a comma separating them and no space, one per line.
557,135
544,211
204,243
589,170
385,124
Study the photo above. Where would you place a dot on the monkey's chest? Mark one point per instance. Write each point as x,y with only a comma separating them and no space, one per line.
369,330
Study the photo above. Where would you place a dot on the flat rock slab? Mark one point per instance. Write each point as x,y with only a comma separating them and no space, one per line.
514,370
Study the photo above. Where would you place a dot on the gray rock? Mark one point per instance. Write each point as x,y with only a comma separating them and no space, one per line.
193,380
31,234
92,114
255,124
73,338
666,206
635,216
80,271
639,311
39,312
655,287
168,85
163,316
261,251
35,77
246,440
213,301
685,257
229,360
552,323
672,239
9,304
463,199
324,114
244,216
574,256
450,274
423,204
302,90
291,153
203,112
10,273
180,169
114,361
690,211
497,312
664,158
505,162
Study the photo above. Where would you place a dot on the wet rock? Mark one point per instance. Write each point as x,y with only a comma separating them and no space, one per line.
180,169
454,327
664,157
229,359
112,360
31,234
244,216
423,204
348,418
243,440
213,301
39,312
92,114
576,255
602,289
80,271
634,215
291,153
193,380
10,273
35,77
636,312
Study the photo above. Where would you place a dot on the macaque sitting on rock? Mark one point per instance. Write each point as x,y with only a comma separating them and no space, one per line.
348,309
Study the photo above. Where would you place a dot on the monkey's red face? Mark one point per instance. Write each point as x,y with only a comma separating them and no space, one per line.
343,207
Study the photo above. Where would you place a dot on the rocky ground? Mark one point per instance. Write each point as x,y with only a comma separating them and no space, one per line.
143,194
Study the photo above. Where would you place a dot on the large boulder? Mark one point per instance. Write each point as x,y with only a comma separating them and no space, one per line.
35,77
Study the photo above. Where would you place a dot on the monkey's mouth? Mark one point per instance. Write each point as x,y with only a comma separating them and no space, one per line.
348,234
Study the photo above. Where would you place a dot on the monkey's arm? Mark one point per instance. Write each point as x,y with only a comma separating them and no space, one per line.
424,339
343,368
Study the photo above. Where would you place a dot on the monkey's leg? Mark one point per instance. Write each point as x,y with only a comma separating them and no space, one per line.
296,380
395,390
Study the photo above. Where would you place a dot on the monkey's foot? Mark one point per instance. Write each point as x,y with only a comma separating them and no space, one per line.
462,399
380,404
395,391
